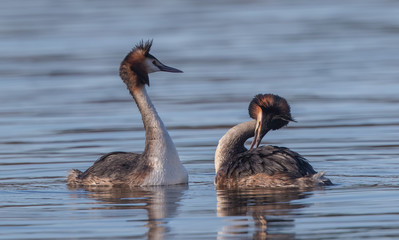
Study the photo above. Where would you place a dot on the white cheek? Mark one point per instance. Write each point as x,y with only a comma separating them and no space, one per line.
150,66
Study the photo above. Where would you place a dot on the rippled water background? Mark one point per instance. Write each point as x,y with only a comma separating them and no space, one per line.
62,105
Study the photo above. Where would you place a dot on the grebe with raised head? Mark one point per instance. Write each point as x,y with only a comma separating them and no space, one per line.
159,164
266,166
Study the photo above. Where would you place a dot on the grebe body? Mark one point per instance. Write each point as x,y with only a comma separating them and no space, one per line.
159,164
266,166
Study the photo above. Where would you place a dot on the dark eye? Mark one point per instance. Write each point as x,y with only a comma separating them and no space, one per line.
153,62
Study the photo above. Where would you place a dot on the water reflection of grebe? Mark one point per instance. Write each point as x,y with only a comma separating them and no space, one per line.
160,203
270,213
267,166
159,164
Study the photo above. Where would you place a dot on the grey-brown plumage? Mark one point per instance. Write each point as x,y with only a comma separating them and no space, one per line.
267,166
113,169
159,164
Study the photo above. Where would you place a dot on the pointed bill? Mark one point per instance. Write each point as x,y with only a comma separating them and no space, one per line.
258,131
165,68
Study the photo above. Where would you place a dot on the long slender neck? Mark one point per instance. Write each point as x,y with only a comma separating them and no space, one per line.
233,142
160,151
159,147
156,135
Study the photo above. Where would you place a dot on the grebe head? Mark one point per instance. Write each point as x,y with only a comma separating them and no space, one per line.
140,62
271,112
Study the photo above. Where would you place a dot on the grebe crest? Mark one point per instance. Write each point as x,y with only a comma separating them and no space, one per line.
138,63
271,112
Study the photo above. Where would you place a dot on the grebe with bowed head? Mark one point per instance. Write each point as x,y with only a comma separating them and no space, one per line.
266,166
159,164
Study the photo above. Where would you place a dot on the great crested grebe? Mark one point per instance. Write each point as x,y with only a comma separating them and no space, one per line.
267,166
159,164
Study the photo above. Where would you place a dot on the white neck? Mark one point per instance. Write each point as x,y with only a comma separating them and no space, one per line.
233,142
159,150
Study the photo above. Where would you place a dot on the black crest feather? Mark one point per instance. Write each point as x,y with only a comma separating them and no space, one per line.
272,104
145,46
